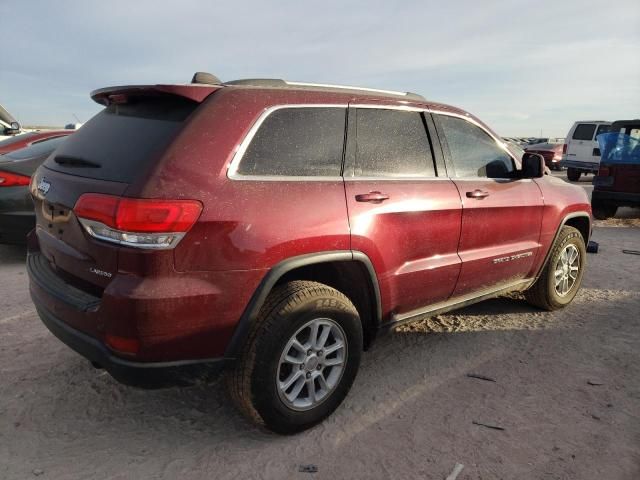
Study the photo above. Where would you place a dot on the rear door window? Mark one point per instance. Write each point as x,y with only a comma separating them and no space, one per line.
122,141
584,131
297,142
473,152
392,143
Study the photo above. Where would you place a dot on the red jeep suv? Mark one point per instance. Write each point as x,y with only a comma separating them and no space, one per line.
276,228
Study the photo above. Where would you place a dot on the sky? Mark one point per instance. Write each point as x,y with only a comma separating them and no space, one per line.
527,68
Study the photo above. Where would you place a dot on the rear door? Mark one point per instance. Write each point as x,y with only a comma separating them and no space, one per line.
403,212
582,143
501,215
109,152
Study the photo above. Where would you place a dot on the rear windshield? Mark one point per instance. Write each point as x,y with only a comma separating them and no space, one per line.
43,147
122,141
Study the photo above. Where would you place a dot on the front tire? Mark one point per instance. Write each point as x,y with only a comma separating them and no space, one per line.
301,358
562,275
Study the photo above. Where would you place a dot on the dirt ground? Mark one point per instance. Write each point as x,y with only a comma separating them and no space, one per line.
566,393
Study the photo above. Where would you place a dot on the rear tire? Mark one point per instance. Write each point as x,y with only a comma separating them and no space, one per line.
557,286
281,351
602,210
573,174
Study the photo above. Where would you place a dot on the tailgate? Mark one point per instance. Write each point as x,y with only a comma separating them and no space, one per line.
62,239
117,147
626,178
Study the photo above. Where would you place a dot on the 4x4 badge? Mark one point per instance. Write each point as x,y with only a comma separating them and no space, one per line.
43,186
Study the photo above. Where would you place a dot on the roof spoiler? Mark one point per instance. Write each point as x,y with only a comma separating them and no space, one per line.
113,95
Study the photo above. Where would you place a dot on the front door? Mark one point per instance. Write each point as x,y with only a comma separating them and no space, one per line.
403,213
501,215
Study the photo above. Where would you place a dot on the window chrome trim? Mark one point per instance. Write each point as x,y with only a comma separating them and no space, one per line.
232,170
501,144
382,106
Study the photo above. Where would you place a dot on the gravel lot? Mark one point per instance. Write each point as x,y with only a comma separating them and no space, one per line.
566,392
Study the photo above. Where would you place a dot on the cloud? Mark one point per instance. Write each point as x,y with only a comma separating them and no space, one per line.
556,61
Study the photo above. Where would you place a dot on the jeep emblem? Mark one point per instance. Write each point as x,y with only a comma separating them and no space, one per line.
43,186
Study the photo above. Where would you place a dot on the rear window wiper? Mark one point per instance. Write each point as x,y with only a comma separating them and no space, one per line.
68,161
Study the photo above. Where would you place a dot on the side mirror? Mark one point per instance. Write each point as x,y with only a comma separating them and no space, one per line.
532,166
13,129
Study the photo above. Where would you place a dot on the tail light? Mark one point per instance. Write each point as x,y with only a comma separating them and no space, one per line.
8,179
136,222
564,149
603,172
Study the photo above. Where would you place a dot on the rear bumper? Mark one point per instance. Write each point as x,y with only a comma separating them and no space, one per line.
621,199
582,166
80,320
140,374
14,227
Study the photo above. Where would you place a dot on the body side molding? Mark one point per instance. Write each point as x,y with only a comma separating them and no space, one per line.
455,303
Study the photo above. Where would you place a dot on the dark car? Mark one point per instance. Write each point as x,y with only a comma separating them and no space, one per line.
617,183
17,217
276,228
551,152
30,138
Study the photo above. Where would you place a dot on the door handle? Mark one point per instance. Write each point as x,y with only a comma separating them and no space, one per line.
477,194
373,197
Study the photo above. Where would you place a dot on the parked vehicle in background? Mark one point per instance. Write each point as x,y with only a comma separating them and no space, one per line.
551,152
581,153
617,183
285,225
17,217
516,149
18,142
9,126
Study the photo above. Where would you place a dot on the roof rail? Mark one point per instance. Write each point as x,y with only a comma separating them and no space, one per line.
258,82
279,83
349,87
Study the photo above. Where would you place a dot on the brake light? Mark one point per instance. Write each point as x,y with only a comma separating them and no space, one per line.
137,222
564,149
8,179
